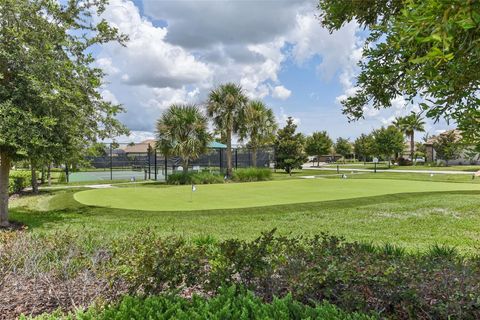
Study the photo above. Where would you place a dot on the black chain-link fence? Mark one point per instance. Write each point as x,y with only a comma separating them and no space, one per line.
140,161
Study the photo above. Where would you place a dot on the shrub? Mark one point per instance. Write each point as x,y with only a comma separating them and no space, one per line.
203,177
404,162
356,277
252,174
19,180
230,303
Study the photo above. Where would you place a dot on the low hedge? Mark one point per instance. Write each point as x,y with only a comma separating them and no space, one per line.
356,277
252,174
230,303
203,177
19,180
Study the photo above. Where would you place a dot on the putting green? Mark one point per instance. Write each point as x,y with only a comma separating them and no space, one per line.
255,194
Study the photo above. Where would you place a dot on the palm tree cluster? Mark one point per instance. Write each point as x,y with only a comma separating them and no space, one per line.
408,125
182,130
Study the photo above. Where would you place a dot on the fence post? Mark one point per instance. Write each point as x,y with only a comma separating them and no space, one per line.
149,150
66,172
236,158
111,162
221,160
166,167
155,163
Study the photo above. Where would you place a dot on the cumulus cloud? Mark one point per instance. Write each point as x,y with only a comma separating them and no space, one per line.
202,24
149,60
179,50
280,92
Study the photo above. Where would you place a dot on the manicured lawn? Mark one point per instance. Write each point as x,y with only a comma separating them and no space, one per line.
415,219
406,176
420,167
255,194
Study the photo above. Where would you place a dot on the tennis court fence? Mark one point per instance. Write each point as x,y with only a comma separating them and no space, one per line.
141,161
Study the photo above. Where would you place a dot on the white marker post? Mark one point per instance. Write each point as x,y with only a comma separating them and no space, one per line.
194,188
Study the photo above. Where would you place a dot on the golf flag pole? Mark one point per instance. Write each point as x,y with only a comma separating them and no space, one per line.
194,188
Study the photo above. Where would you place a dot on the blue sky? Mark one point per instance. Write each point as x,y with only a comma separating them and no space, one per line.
276,49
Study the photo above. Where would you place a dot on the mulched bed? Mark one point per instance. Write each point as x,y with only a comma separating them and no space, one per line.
20,294
14,226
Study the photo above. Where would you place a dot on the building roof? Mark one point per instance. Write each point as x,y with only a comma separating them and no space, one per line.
142,147
216,145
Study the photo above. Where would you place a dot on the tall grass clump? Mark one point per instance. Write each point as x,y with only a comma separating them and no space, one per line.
203,177
252,174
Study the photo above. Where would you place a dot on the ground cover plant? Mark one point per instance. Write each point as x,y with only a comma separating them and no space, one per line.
231,303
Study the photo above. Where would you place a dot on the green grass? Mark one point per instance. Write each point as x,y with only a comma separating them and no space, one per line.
415,219
260,194
420,167
406,176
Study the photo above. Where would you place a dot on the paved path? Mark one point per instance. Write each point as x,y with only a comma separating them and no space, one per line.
388,170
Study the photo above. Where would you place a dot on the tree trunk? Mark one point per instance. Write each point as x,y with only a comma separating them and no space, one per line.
254,157
34,177
42,179
4,173
185,166
49,174
229,153
412,146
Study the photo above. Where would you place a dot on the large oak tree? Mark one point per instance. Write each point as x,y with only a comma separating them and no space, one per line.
50,105
427,51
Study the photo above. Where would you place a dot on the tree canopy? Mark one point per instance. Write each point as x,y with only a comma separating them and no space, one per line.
182,131
448,145
364,146
388,141
259,126
289,148
226,107
319,143
50,105
343,147
426,51
408,125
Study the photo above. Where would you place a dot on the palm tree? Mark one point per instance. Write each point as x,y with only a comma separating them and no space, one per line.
226,107
259,126
408,125
182,130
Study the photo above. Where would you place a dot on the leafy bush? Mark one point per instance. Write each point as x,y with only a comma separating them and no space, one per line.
356,277
203,177
252,174
404,162
19,180
230,303
353,276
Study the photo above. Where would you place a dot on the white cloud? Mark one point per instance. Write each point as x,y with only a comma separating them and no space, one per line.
148,59
109,96
196,45
311,39
280,92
